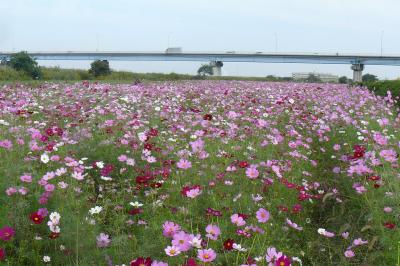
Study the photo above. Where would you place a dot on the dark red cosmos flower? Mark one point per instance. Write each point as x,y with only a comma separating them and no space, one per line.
207,117
2,254
244,216
49,131
389,225
148,146
142,261
153,132
250,261
6,233
243,164
135,211
212,212
107,169
296,208
374,178
358,151
190,262
36,218
228,244
54,235
283,261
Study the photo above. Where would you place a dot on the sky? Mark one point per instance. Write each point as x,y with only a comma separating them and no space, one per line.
343,26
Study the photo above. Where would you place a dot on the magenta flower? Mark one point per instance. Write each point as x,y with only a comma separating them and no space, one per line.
6,233
262,215
206,255
213,231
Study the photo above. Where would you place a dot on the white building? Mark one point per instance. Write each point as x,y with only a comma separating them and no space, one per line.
325,77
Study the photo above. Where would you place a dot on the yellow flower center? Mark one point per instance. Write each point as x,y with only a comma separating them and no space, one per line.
206,256
172,252
281,263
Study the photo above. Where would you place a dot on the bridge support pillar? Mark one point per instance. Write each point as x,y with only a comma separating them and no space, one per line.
357,72
217,68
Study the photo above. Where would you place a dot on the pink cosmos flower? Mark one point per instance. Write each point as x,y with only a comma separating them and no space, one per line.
387,209
213,231
349,253
359,242
323,232
206,255
103,240
170,228
26,178
193,193
49,187
236,219
389,155
262,215
122,158
184,164
181,240
293,225
252,172
159,263
11,190
272,256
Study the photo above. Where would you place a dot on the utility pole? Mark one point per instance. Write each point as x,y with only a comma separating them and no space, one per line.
276,42
382,42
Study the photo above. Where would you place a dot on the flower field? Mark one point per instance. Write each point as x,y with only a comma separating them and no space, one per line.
198,173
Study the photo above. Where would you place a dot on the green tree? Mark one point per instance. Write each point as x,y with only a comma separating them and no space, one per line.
313,79
343,80
23,62
205,69
369,78
100,68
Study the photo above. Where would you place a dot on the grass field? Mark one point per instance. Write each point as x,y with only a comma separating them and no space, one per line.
198,173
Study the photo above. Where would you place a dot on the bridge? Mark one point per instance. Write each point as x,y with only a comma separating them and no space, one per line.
356,61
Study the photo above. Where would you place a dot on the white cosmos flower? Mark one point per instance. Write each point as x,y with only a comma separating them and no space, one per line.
44,158
100,165
46,259
95,210
136,204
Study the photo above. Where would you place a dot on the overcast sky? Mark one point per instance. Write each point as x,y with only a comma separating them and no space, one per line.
344,26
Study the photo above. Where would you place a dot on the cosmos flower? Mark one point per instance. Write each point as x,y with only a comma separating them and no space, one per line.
172,251
206,255
103,240
236,219
6,233
262,215
213,231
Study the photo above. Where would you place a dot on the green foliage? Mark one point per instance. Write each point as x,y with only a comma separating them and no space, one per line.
313,79
56,73
369,78
381,88
100,68
8,73
205,69
343,80
23,62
